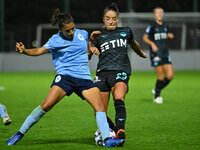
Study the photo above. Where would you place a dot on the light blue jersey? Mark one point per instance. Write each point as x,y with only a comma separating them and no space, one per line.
70,57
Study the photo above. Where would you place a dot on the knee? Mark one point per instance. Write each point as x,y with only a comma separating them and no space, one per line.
46,107
170,76
119,96
160,76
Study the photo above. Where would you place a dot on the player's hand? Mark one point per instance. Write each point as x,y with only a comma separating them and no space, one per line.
94,50
20,48
154,47
94,35
170,35
143,54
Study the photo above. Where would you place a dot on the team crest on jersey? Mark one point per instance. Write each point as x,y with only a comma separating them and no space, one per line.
123,34
80,37
58,78
156,29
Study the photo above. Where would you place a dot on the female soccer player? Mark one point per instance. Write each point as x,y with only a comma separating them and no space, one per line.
4,115
114,69
69,52
156,36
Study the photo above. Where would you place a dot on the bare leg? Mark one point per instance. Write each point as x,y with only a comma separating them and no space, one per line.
55,95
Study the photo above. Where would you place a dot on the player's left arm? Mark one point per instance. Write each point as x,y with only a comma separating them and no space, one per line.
170,35
136,47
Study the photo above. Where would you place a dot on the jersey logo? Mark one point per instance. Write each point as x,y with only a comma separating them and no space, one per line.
80,37
113,44
160,36
123,34
58,78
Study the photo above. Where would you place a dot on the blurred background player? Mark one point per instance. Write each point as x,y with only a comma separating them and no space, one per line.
4,115
69,49
113,68
156,36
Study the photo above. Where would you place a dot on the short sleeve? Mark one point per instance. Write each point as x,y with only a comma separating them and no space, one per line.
148,30
86,36
53,44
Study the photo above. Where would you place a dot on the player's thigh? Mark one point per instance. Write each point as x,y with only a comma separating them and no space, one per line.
54,96
160,72
119,90
94,98
105,98
169,71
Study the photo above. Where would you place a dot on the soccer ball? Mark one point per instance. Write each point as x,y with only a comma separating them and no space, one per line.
98,138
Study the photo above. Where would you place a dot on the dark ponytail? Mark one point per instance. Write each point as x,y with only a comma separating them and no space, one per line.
59,18
112,7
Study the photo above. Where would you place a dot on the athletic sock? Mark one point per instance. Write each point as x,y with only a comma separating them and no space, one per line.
2,111
120,117
111,124
34,117
160,84
102,124
166,82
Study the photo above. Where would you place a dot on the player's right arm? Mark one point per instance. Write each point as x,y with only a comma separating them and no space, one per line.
149,32
92,49
151,43
20,48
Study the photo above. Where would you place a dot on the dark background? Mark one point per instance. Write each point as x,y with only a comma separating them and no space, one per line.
22,16
40,11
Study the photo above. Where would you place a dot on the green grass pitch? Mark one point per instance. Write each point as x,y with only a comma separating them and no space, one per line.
174,125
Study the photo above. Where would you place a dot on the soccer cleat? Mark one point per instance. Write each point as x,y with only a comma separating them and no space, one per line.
158,100
153,91
6,119
113,142
120,134
14,139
